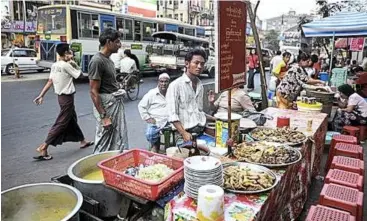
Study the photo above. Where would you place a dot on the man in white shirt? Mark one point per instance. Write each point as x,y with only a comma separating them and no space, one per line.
116,58
185,98
127,64
66,128
276,61
152,109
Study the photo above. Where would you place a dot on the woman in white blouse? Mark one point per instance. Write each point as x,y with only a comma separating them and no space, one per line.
355,113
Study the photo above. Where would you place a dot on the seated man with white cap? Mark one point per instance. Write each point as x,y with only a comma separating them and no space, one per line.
152,109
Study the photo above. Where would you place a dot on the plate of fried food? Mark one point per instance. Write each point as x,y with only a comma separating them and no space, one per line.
284,135
267,154
248,178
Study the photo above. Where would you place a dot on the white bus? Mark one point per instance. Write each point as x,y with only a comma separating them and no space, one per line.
80,26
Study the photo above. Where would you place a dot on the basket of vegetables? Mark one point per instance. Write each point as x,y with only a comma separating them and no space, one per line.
142,173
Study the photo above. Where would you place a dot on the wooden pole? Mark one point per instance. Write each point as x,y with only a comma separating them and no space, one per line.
264,100
229,121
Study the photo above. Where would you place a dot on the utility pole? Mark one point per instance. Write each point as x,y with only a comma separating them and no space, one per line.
264,97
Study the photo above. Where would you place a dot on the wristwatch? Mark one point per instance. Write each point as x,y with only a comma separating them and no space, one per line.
103,115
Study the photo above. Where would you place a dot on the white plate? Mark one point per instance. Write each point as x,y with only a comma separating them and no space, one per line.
202,163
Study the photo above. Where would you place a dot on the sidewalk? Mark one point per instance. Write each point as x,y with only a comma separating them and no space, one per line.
25,77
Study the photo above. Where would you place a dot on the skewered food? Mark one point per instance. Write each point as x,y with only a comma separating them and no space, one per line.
279,135
262,153
243,178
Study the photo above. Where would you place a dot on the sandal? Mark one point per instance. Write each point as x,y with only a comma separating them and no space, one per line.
88,144
41,158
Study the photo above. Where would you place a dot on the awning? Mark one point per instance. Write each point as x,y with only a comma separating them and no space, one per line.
343,24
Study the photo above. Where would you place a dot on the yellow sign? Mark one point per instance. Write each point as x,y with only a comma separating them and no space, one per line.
221,132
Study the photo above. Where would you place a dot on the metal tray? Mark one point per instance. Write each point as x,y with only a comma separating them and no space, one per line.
277,165
289,144
255,168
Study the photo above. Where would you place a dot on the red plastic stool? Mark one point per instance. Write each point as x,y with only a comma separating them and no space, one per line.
348,150
353,131
344,198
348,164
322,213
338,138
362,132
345,178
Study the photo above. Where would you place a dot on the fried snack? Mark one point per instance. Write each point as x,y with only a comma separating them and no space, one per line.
245,179
279,135
264,153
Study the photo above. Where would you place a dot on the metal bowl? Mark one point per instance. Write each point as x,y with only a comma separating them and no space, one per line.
49,199
289,143
255,168
109,199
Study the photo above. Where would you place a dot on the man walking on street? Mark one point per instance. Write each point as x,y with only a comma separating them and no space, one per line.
111,130
152,109
185,98
66,127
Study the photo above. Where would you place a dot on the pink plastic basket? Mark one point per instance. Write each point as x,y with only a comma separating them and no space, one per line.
114,167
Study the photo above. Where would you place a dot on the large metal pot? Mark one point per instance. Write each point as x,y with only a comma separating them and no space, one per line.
40,201
109,199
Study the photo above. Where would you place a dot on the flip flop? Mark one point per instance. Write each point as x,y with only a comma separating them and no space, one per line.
90,143
41,158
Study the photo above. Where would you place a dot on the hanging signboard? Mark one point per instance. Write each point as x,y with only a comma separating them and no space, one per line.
230,32
357,44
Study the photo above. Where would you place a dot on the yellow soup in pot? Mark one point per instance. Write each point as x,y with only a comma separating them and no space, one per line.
94,175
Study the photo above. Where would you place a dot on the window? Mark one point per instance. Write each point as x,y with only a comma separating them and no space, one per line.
19,53
137,30
31,54
170,2
170,16
4,52
120,27
147,31
176,16
181,1
52,21
160,27
189,31
181,16
180,30
161,2
88,26
128,31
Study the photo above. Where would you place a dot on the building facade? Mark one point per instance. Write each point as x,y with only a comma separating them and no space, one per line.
284,22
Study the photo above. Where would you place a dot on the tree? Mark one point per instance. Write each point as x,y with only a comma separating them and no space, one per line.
327,9
271,38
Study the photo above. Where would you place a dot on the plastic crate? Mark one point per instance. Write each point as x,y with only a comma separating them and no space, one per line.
348,164
349,150
344,198
345,178
114,167
323,213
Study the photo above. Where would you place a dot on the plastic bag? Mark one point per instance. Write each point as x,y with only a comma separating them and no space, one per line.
257,117
273,83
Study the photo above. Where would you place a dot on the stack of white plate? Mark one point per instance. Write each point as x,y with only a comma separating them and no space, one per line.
200,171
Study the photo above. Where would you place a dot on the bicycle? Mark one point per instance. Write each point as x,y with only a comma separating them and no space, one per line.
130,82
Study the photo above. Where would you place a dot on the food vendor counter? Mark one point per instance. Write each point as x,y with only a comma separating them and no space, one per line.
286,200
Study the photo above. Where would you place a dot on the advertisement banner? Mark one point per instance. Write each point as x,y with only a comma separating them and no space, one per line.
17,27
357,44
230,30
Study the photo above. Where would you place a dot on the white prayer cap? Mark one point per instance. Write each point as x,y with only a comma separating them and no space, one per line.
163,75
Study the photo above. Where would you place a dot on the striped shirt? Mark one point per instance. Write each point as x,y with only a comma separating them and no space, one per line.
184,104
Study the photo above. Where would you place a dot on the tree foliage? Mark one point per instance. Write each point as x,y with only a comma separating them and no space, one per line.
271,38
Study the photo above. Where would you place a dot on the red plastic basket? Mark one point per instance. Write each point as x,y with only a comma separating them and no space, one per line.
114,167
323,213
349,150
345,178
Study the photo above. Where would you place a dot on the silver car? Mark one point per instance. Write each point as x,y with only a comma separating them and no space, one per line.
23,58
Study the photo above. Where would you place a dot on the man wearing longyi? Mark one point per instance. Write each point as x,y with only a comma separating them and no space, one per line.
185,98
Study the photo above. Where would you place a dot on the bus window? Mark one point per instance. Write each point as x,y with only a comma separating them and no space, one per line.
160,27
120,27
52,20
147,31
180,30
189,31
137,31
128,31
89,26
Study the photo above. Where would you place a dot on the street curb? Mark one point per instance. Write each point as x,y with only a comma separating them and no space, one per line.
27,77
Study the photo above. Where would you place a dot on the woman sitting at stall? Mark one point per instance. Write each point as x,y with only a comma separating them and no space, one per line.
355,113
291,85
240,101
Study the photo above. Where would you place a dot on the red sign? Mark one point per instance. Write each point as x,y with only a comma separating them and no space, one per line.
357,44
230,17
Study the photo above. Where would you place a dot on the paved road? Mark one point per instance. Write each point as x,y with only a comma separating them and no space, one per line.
25,126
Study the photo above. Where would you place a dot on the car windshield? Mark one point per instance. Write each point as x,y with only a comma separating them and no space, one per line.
4,52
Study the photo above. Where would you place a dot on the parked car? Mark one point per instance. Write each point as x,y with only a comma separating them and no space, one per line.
23,58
